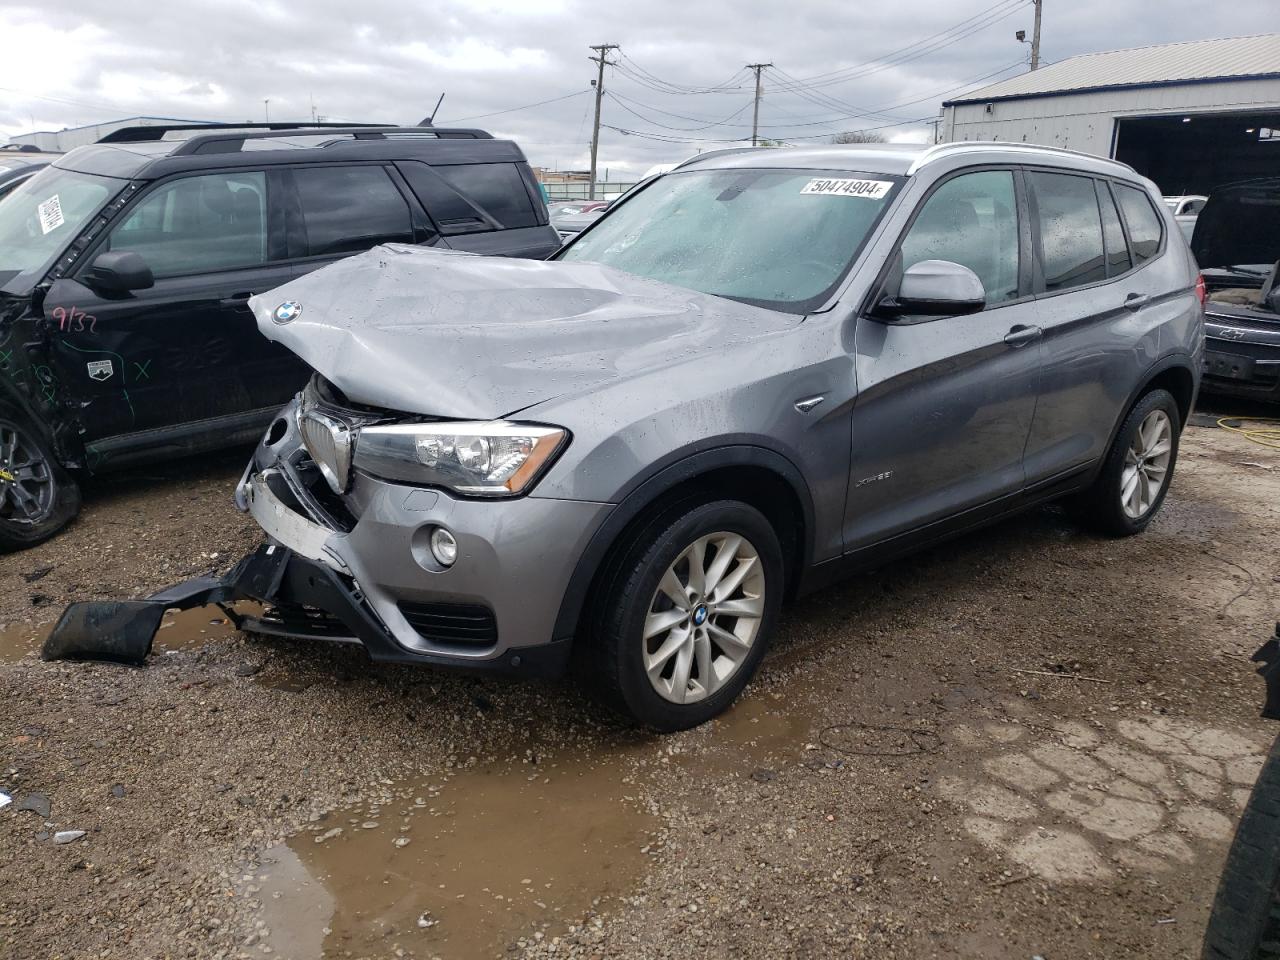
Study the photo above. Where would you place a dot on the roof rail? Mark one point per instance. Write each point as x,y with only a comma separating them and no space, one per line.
940,150
234,142
149,133
722,152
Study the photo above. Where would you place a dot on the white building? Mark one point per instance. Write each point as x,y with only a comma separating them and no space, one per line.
1188,115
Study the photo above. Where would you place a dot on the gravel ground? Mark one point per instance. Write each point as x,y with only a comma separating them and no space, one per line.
902,780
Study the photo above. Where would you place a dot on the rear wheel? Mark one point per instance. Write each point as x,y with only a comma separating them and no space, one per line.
686,614
37,496
1245,923
1137,470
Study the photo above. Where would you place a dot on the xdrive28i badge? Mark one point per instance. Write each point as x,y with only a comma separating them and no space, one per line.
287,312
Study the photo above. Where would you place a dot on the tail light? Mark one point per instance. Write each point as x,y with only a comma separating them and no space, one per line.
1202,292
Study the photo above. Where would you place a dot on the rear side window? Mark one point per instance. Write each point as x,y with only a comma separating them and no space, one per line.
1143,222
1070,230
1112,233
498,188
349,209
198,225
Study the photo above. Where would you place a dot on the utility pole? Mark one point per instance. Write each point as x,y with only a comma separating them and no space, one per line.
755,114
603,59
266,110
1035,36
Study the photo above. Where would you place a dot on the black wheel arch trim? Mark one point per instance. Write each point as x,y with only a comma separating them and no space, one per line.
669,473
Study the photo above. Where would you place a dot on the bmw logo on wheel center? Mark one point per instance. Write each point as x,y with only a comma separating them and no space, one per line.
287,312
700,615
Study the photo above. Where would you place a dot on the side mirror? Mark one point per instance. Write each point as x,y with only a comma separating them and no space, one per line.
119,271
936,288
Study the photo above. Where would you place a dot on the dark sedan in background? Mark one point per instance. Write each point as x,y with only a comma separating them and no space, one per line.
1237,243
18,163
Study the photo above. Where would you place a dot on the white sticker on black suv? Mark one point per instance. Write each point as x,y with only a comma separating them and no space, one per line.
848,187
50,213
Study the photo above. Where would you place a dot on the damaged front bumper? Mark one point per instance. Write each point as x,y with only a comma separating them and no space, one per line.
357,569
1242,353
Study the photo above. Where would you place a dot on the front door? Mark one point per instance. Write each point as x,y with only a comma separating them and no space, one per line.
945,404
187,351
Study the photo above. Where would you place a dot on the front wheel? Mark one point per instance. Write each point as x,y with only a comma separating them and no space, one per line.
686,615
1245,923
37,496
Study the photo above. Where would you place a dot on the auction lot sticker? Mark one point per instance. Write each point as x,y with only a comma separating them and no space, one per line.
50,214
847,187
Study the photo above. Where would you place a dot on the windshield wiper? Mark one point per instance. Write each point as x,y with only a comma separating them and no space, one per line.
1249,269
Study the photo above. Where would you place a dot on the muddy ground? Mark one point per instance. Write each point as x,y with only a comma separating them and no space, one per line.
1028,742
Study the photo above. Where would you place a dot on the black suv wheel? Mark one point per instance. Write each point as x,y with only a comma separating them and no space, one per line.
37,497
686,615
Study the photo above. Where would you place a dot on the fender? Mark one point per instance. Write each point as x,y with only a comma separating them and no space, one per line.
669,473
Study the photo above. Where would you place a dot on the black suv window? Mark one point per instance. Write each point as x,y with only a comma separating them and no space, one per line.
198,224
496,187
1112,232
971,220
1142,220
349,209
1070,230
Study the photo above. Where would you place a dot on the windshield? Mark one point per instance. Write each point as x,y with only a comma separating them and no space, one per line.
43,215
780,239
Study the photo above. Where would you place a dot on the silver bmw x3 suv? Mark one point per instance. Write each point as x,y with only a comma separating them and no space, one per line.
758,372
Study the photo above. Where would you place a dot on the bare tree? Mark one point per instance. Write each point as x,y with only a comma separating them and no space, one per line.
858,136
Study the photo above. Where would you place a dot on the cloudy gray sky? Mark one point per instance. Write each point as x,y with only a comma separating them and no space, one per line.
679,84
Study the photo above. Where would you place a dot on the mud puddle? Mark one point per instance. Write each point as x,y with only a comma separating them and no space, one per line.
458,866
179,630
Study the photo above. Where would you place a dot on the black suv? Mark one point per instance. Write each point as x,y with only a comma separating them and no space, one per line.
126,268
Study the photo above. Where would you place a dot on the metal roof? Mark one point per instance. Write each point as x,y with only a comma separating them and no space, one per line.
1197,60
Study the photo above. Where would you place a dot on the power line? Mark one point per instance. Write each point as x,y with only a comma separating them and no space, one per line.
527,106
658,123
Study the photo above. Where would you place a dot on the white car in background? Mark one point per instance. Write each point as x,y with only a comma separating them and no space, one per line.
1185,210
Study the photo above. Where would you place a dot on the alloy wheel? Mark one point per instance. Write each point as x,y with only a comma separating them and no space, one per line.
1146,465
704,617
27,493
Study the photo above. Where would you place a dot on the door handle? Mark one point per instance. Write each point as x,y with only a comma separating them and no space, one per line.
239,301
1136,301
1022,334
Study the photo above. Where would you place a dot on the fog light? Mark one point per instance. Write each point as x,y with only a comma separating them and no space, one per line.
444,547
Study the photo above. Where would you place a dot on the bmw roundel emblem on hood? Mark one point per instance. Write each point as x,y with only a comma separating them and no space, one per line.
287,312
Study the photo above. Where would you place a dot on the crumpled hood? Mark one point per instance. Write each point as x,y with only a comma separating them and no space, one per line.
450,334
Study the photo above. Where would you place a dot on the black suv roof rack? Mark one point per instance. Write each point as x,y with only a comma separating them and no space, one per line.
231,142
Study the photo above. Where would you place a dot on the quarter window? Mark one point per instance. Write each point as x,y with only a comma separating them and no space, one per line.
1070,230
198,225
1143,222
349,209
971,220
497,188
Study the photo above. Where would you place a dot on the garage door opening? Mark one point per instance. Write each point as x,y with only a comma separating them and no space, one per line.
1198,152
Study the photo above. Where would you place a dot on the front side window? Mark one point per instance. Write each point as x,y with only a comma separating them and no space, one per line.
1070,230
1143,222
781,239
42,215
350,209
198,225
971,220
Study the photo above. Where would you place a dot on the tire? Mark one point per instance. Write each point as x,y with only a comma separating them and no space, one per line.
1245,922
37,496
1104,506
637,586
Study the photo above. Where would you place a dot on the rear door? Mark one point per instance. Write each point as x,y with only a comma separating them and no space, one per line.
945,403
337,210
1099,309
188,349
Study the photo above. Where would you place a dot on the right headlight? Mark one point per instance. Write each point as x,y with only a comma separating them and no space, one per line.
493,459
